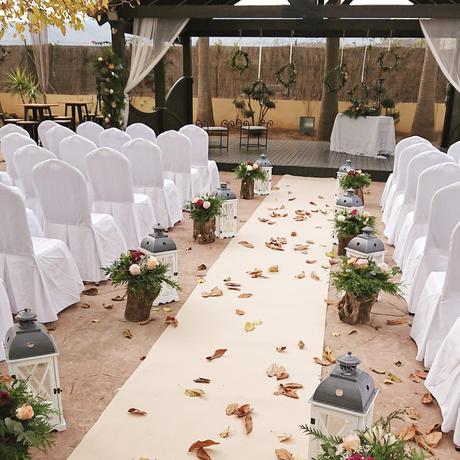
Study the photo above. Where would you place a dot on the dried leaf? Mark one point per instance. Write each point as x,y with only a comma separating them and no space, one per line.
84,305
433,439
395,322
201,267
91,291
202,444
194,392
166,309
256,273
215,292
135,411
407,433
335,334
334,261
420,440
353,331
272,370
388,382
398,363
378,371
422,374
293,233
303,248
300,275
232,284
329,354
96,321
226,433
310,242
393,377
232,408
171,320
274,269
146,321
314,276
119,298
243,410
427,398
432,428
276,244
311,261
291,199
300,344
217,354
127,333
245,295
330,254
322,362
108,306
285,391
240,312
412,413
201,454
246,244
263,219
331,302
283,437
248,423
280,349
313,203
202,380
283,454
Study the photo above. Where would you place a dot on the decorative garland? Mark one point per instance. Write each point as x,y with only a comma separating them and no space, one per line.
391,53
336,78
110,69
360,106
291,70
240,61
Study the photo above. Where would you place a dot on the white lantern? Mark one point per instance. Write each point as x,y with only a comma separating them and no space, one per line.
264,187
31,354
227,222
367,246
160,245
341,172
349,201
343,402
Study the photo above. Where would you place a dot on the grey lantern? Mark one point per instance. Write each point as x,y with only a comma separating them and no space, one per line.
343,402
264,187
342,171
227,222
31,354
367,245
162,246
349,201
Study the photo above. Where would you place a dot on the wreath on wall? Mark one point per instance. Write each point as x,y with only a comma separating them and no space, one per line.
239,61
110,71
289,71
389,60
336,78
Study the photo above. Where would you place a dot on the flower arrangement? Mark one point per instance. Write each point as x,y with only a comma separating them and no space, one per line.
350,223
239,61
203,211
24,420
357,180
143,275
247,172
375,443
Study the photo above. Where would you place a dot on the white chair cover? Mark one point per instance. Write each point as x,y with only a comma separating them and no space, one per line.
398,186
5,178
74,149
176,152
454,151
54,137
141,131
442,381
25,159
39,273
439,305
416,223
200,150
147,168
8,145
94,239
432,256
6,319
114,138
113,194
90,131
406,203
12,128
400,146
43,128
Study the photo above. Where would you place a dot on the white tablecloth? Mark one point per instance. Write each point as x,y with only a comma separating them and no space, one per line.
369,136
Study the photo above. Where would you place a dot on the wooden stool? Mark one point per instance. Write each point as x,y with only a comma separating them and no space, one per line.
31,127
64,121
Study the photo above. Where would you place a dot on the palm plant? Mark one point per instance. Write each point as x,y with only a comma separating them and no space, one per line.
23,84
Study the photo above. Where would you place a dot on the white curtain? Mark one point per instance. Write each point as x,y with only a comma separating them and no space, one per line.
152,38
41,57
443,38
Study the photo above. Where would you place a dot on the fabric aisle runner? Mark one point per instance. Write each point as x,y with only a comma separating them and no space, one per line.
290,309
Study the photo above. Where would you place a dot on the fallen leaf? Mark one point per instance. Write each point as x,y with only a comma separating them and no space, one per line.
194,392
95,320
288,392
135,411
215,292
433,439
310,242
395,322
119,298
388,382
293,386
201,454
246,244
412,413
146,321
239,312
226,433
414,378
314,276
300,344
434,427
407,433
313,203
201,267
291,199
245,295
171,320
201,444
393,377
303,248
272,370
321,197
334,261
311,261
420,440
166,309
422,374
322,362
280,349
263,219
378,371
248,423
217,354
330,254
248,326
256,273
353,331
273,269
283,454
283,437
331,302
84,305
127,333
300,275
335,334
108,306
202,380
398,363
91,291
293,233
276,244
231,408
243,410
329,354
427,398
281,373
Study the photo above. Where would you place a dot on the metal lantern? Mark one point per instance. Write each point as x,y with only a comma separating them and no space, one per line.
349,201
343,402
264,187
342,171
31,354
160,245
227,222
367,245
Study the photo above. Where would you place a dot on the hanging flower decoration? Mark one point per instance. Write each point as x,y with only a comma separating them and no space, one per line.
110,71
289,70
389,60
336,78
239,61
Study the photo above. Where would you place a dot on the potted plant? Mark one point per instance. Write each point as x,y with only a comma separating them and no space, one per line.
247,172
143,276
348,224
24,420
357,180
23,84
362,280
203,211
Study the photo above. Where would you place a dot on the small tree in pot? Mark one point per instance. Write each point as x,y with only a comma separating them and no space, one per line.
362,280
348,224
357,180
143,275
203,211
247,172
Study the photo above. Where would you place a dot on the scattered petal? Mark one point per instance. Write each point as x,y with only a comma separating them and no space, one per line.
273,269
248,326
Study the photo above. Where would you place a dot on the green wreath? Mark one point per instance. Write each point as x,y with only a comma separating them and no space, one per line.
240,61
291,70
384,55
336,78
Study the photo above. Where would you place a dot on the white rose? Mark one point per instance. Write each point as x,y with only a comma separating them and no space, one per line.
351,443
135,270
341,218
255,166
366,214
249,168
111,91
359,171
100,59
383,266
206,205
152,263
106,119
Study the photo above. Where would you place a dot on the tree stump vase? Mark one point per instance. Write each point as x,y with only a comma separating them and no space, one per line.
343,243
247,189
138,306
204,232
356,310
360,193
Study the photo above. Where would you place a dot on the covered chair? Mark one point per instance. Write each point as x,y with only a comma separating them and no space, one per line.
74,149
415,224
54,137
42,129
113,194
5,178
442,381
176,152
90,131
94,239
200,151
12,128
114,138
8,146
39,273
439,305
406,203
147,167
141,131
6,318
454,151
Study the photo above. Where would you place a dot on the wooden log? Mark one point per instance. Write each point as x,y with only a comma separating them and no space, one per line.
204,232
356,310
247,189
138,306
343,243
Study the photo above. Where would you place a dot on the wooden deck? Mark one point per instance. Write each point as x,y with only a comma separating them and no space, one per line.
300,158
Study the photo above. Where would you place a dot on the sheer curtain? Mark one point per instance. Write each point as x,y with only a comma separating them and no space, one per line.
152,38
443,38
41,58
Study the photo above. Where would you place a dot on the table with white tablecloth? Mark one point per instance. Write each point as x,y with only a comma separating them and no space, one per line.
369,136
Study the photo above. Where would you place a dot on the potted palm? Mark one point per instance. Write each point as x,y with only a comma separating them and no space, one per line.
357,180
247,172
143,275
203,211
23,84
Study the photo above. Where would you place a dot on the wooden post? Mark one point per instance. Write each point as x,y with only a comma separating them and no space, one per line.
160,93
187,72
118,38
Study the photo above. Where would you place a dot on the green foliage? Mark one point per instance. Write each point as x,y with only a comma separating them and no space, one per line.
289,71
23,84
336,78
239,61
389,60
257,92
147,278
247,170
204,208
351,222
355,179
364,278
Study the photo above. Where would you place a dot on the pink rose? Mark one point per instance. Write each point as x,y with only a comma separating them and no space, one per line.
135,270
206,205
362,263
24,413
351,442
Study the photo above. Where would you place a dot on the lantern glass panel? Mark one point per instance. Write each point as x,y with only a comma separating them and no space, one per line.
226,223
168,293
39,378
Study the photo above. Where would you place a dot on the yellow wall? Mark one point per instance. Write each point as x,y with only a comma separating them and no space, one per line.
286,115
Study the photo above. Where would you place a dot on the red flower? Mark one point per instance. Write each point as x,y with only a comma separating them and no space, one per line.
5,398
352,172
354,212
136,255
199,203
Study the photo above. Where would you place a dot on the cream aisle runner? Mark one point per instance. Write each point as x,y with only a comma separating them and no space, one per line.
286,307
